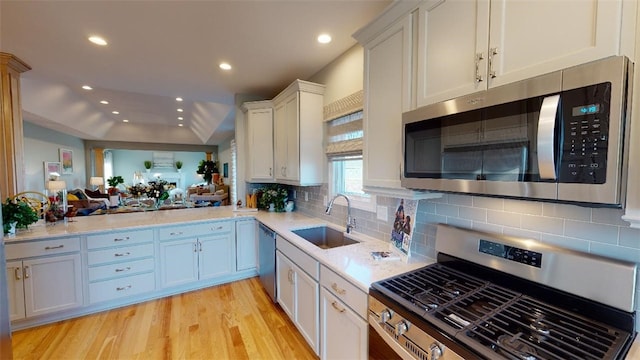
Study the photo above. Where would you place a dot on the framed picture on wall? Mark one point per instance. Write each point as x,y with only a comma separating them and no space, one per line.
52,169
66,158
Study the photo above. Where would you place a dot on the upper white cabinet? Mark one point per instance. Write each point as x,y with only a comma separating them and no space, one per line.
299,152
467,46
259,140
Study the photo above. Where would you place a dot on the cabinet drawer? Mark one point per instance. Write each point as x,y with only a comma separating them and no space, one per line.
348,293
123,287
299,257
124,253
120,269
187,231
118,238
40,248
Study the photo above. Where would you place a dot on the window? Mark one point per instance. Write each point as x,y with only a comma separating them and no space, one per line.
344,154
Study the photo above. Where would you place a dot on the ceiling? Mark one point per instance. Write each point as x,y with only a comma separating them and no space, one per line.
160,50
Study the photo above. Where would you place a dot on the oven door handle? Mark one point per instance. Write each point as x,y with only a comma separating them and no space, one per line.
546,137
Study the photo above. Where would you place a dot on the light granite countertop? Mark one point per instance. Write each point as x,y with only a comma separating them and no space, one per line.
353,262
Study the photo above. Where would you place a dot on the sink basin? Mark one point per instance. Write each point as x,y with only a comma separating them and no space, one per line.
324,237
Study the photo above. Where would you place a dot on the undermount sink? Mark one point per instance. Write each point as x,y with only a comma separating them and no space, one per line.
324,237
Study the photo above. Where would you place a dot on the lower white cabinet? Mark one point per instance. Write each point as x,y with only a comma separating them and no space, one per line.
298,295
44,285
201,256
246,244
344,333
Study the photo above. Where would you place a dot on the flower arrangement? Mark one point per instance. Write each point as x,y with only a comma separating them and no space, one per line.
275,194
19,212
113,182
207,168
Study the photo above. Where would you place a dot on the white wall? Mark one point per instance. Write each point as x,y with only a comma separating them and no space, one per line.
343,76
127,162
42,144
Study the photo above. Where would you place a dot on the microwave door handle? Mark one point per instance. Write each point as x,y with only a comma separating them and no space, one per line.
546,134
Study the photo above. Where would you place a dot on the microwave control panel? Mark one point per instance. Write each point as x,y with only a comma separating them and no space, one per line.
585,129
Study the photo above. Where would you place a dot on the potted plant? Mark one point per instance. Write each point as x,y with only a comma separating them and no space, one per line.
113,191
179,165
147,165
207,169
274,198
17,214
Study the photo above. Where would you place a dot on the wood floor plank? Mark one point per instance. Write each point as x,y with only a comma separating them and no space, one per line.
230,321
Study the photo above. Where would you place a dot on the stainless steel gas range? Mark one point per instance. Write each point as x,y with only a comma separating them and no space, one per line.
496,297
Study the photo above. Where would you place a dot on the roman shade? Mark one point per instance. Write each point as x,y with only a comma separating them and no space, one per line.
344,127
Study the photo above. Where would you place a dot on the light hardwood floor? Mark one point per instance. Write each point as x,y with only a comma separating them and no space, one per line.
231,321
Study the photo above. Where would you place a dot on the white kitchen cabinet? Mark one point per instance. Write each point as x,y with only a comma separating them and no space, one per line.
259,140
467,46
201,252
344,333
298,290
47,280
246,244
299,151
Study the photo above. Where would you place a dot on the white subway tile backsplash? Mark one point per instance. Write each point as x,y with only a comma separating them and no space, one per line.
433,218
481,226
523,207
629,237
503,218
564,211
616,252
542,224
446,210
608,216
474,214
488,203
461,200
590,231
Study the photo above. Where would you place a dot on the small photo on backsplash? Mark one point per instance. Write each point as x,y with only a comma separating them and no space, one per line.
403,225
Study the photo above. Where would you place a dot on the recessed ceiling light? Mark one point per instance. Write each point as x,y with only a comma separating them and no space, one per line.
324,38
178,99
179,110
125,120
87,87
180,125
104,102
98,40
225,66
115,112
180,118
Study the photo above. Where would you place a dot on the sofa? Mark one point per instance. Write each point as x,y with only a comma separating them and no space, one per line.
87,201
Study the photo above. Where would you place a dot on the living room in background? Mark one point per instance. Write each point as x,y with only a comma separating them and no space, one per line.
52,170
66,159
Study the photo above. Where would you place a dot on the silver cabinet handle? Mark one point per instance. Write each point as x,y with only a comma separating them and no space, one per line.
123,288
335,287
195,247
545,140
335,306
199,246
175,233
492,53
270,172
479,57
18,273
217,228
122,254
123,269
27,272
121,239
54,247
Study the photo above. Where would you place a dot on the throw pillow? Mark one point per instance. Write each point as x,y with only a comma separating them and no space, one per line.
72,197
95,194
78,193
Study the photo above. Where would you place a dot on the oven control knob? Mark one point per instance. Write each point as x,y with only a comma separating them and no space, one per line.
436,351
385,316
401,327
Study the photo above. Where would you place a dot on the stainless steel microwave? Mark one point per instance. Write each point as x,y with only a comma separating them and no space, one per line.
557,137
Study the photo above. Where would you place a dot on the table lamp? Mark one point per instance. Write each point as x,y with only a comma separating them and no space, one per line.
96,181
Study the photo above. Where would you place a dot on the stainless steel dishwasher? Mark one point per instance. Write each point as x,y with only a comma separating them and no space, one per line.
267,259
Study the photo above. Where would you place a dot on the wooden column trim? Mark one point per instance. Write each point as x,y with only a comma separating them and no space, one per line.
99,164
209,155
11,128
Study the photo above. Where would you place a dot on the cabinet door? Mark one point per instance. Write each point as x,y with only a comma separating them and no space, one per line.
307,295
387,72
178,262
344,333
260,125
214,256
285,284
452,49
572,32
280,144
292,170
246,245
52,284
15,287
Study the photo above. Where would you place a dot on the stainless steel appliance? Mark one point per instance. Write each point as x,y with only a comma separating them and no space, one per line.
496,297
558,137
267,259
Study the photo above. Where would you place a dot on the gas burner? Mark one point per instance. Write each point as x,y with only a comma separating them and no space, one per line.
514,345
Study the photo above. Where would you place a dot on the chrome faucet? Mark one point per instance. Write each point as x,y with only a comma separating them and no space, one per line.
350,225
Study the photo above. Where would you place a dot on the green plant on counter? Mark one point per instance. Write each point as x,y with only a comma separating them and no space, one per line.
113,182
19,212
275,194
